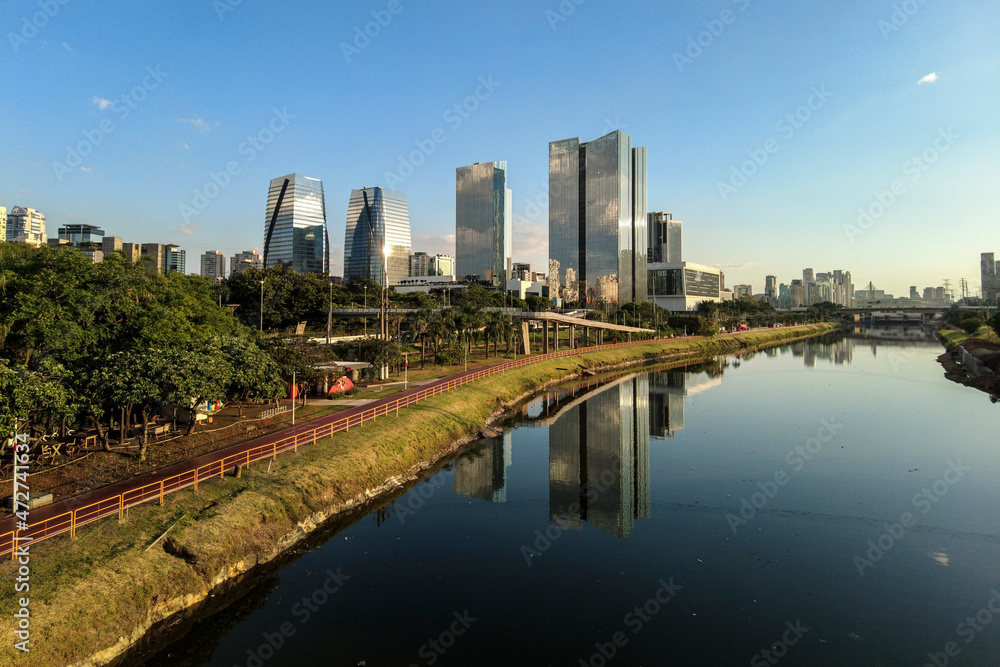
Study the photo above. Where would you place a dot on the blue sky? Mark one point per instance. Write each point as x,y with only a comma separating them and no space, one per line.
165,95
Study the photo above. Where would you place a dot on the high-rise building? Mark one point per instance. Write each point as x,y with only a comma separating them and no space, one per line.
132,251
174,259
377,239
990,277
796,294
213,265
913,292
26,225
808,280
483,222
295,233
81,235
742,290
771,290
245,260
665,235
597,220
443,265
784,295
3,224
420,264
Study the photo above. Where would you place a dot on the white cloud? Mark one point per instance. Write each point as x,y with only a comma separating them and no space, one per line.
186,230
435,244
67,46
101,102
86,169
185,146
930,78
197,122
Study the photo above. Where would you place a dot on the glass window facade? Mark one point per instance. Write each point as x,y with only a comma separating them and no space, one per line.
81,234
702,283
597,219
377,218
483,221
664,238
295,231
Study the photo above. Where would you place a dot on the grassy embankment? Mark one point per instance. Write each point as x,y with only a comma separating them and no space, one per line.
953,337
93,597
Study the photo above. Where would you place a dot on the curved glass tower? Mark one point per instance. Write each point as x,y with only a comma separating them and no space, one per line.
295,225
483,214
377,218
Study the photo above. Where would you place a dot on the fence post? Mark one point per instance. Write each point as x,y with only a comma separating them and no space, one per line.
196,479
161,491
72,525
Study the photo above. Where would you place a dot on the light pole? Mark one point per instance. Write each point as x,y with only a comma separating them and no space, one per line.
366,311
385,304
262,305
329,314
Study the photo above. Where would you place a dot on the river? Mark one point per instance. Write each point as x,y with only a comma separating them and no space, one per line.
828,502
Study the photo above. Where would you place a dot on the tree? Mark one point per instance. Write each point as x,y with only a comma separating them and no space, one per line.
994,323
971,324
254,375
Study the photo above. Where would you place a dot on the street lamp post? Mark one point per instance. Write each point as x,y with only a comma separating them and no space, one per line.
262,305
365,318
385,304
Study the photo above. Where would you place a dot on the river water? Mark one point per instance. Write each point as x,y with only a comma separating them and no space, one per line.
829,502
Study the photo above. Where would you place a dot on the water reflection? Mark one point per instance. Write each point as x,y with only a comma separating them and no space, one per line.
482,473
667,390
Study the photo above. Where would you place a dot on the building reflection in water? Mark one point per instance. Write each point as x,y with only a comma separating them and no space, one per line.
599,457
667,390
482,472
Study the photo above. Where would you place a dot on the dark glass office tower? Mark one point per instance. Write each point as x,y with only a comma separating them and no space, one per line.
483,221
377,218
597,220
295,225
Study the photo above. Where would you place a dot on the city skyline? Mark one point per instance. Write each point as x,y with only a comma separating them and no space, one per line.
834,154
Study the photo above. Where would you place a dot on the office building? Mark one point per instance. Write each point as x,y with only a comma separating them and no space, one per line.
483,222
110,244
245,260
132,251
420,264
295,233
153,256
682,286
597,220
82,235
989,277
797,294
665,235
783,296
742,290
174,259
213,265
26,225
3,224
377,239
771,290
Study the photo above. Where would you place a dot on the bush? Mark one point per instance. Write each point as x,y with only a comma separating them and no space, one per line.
971,324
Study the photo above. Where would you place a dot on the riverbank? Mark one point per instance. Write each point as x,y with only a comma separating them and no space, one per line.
972,361
126,578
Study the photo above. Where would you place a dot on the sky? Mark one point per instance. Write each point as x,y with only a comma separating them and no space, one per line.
854,135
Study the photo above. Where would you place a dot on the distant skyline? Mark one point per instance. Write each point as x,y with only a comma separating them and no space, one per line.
848,136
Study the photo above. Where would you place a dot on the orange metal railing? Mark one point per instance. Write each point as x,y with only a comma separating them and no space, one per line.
71,520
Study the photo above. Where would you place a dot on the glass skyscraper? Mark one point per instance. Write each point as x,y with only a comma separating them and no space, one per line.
483,221
665,236
295,225
377,218
597,220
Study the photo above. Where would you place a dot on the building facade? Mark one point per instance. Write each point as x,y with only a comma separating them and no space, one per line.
82,235
665,238
990,277
483,222
295,233
377,239
597,220
245,260
26,225
3,224
213,265
174,259
681,286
